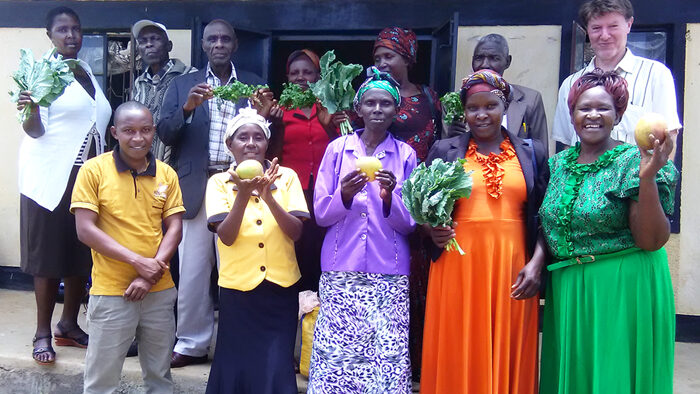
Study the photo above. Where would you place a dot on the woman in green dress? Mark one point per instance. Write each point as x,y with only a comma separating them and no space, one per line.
609,320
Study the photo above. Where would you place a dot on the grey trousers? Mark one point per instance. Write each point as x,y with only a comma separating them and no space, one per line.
195,307
112,324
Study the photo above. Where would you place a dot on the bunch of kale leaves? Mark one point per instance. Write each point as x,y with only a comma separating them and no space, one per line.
45,78
430,193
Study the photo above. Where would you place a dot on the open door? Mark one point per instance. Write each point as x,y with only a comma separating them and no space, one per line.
253,52
444,56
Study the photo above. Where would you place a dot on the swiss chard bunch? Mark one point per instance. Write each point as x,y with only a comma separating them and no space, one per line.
294,97
334,89
236,90
430,193
452,105
45,78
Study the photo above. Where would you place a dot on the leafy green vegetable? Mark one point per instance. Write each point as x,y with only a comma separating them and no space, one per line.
430,193
236,90
334,89
46,78
452,105
293,97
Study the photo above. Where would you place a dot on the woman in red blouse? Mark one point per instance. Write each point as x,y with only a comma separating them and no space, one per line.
299,140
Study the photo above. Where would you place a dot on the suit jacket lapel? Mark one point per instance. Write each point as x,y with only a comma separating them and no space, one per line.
524,151
516,113
201,77
458,147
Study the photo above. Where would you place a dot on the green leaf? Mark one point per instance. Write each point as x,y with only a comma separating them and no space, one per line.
293,97
45,78
236,90
334,89
452,105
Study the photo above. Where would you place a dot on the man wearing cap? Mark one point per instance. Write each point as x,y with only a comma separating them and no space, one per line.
650,83
193,123
149,89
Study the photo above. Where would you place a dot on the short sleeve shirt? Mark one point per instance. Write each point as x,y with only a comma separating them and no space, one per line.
651,89
130,208
261,251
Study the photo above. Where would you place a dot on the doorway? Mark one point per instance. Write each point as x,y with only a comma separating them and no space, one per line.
349,48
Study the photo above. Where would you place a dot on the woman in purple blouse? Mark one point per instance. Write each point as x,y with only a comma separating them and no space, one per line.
361,335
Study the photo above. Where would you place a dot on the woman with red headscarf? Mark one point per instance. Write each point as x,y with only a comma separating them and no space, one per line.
609,313
419,121
481,315
299,140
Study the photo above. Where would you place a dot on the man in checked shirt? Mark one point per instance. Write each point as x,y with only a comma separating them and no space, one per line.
193,123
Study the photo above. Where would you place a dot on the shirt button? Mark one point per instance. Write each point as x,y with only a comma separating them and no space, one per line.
258,222
363,237
257,199
261,245
262,268
364,215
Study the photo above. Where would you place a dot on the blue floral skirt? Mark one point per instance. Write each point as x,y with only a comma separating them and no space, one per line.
361,335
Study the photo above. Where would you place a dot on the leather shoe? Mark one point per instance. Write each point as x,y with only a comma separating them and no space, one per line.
179,360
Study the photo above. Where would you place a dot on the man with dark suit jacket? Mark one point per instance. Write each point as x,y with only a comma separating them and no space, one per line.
525,116
193,123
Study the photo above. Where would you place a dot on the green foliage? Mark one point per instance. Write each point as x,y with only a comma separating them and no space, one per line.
294,97
334,89
430,193
236,90
452,105
46,78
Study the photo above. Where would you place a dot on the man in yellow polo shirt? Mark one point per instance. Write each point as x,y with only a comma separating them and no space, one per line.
122,201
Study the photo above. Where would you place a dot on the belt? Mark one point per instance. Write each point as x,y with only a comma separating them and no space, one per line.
589,258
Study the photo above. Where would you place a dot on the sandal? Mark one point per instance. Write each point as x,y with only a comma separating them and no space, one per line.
41,350
63,338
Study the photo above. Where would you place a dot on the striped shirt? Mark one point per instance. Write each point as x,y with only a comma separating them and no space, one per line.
93,138
651,89
220,113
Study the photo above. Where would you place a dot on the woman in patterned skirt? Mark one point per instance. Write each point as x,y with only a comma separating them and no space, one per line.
361,336
609,320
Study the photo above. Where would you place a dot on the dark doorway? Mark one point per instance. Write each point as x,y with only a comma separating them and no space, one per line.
350,48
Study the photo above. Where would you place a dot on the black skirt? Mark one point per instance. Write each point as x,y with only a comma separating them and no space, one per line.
255,342
49,244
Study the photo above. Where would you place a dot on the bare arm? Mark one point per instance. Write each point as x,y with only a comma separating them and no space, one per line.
171,238
527,284
92,236
32,126
647,219
291,225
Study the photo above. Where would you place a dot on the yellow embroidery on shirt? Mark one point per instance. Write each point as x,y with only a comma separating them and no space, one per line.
160,192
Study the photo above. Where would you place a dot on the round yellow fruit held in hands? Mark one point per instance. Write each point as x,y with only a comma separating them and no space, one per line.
650,123
369,165
249,169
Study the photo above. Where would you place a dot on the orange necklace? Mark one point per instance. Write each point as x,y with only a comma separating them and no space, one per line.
491,165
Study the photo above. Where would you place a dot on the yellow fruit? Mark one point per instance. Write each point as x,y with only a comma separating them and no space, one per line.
650,123
369,165
249,169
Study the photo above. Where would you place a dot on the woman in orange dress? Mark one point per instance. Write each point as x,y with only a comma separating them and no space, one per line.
481,316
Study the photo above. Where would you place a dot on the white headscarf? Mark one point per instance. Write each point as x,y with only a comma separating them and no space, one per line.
247,116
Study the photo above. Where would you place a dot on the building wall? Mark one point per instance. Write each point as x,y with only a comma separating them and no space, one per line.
688,282
535,51
36,40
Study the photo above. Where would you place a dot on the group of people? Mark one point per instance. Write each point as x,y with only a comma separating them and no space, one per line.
586,226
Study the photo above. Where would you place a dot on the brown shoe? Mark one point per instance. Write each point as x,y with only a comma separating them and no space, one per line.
182,360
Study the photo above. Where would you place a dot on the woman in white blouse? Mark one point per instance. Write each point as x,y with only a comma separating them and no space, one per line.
58,140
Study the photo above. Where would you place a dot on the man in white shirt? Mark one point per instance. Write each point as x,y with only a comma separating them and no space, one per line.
650,83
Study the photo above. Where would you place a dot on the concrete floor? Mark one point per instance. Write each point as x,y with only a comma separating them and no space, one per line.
19,373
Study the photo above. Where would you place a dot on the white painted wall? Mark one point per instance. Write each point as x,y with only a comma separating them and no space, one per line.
536,51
